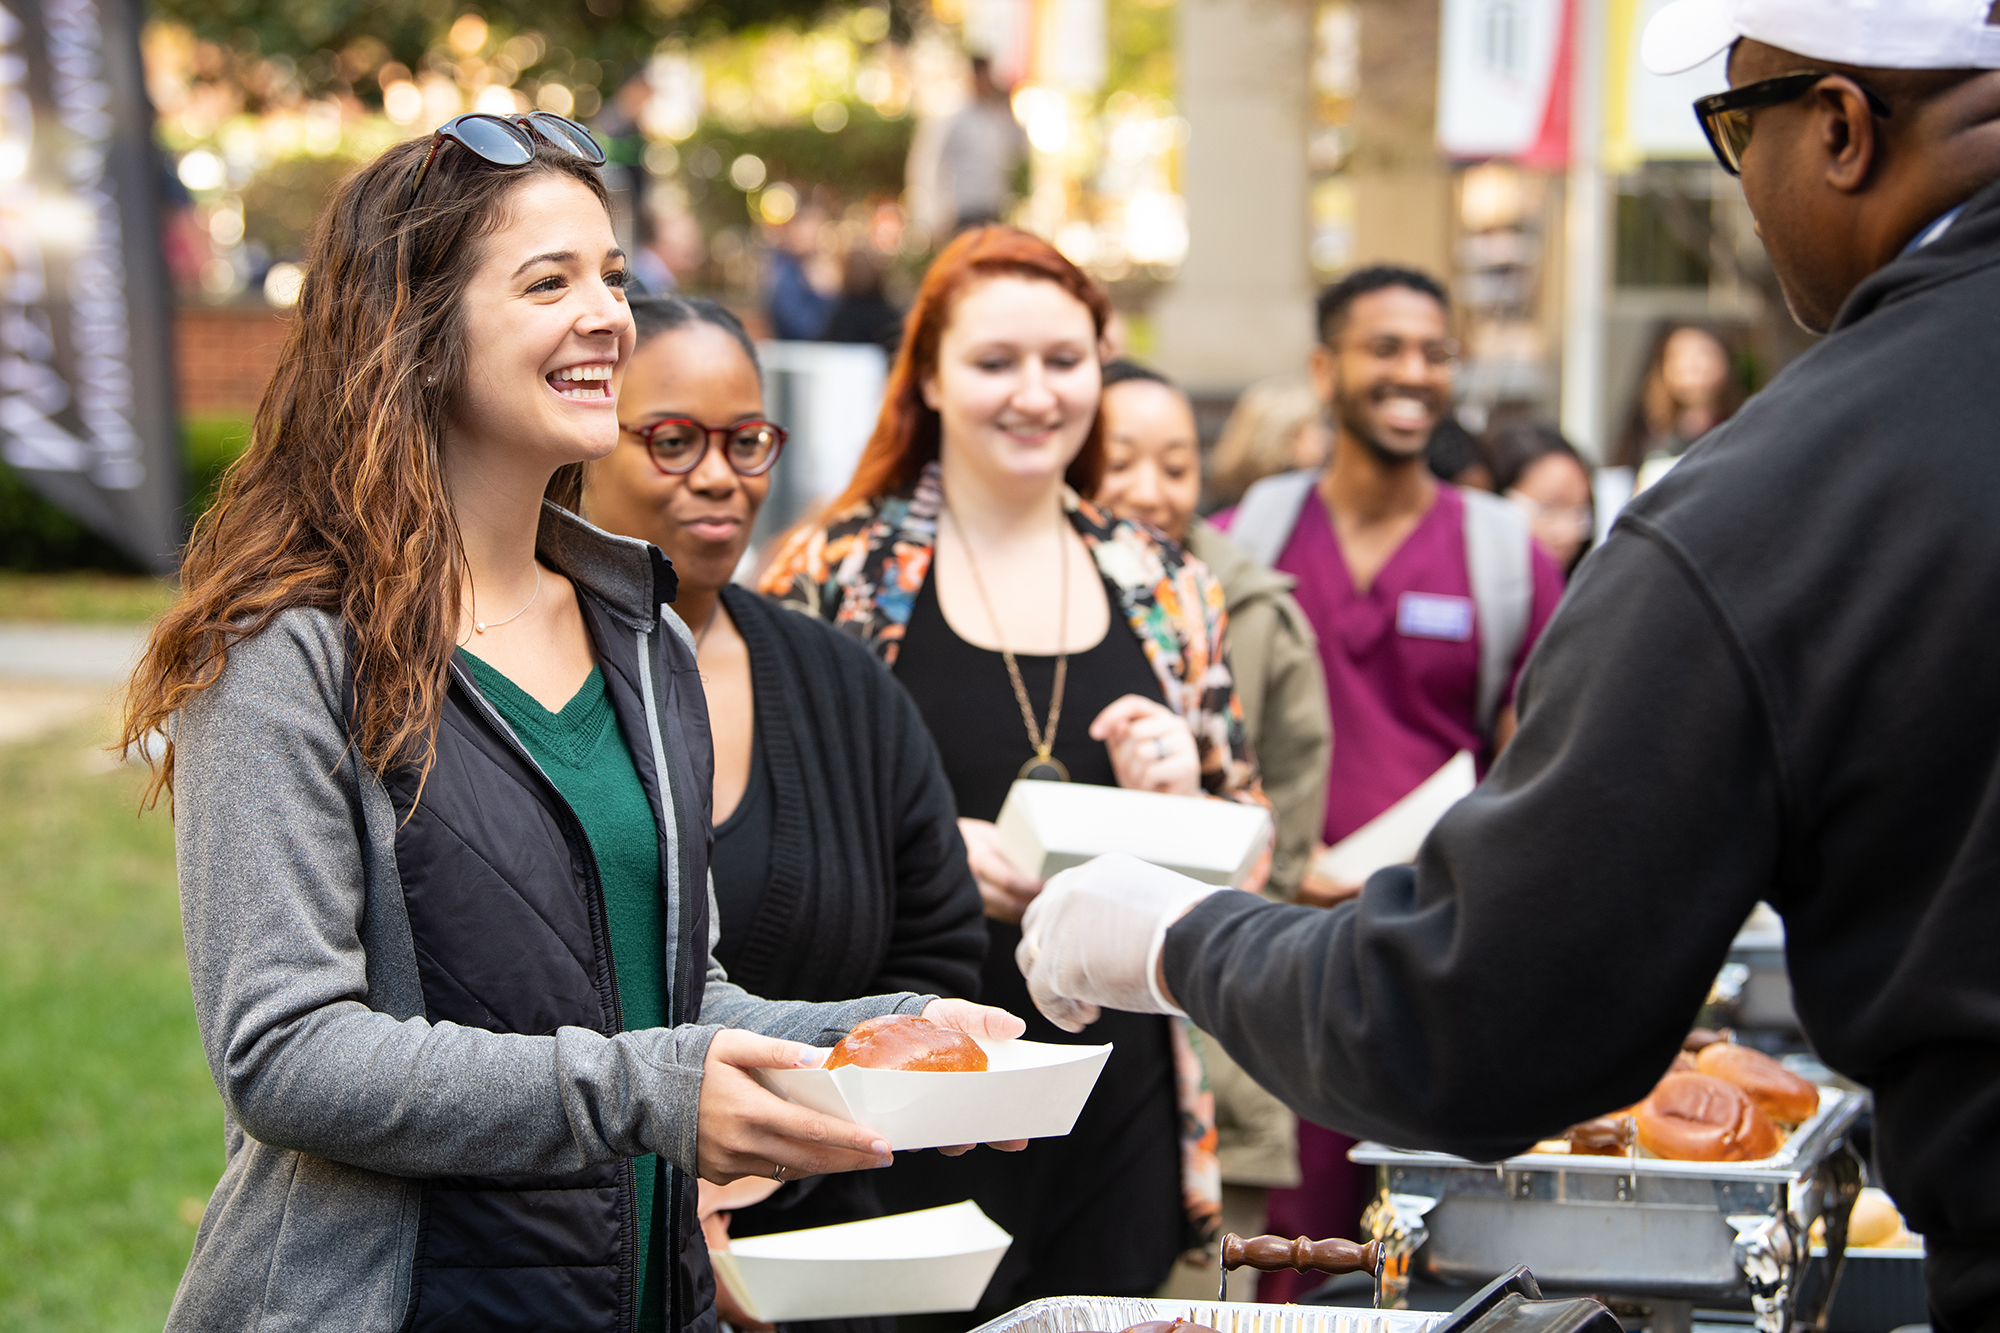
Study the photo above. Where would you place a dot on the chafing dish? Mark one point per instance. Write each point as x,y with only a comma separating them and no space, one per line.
1730,1232
1104,1314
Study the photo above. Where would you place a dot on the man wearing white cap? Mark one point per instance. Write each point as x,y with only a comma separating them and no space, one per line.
1778,679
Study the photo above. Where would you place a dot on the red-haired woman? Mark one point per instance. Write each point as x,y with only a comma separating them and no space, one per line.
1054,641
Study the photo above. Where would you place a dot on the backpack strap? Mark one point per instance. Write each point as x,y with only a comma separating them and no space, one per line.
1498,565
1268,512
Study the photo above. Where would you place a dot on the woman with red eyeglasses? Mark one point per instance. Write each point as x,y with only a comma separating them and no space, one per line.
839,871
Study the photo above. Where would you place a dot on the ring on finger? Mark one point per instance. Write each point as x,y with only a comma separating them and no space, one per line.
1160,750
778,1172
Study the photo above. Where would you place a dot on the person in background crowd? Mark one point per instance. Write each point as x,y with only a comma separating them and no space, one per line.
1454,454
1778,680
1689,388
804,282
863,314
1041,638
1426,599
837,861
1536,468
983,148
651,273
440,772
1278,425
1152,473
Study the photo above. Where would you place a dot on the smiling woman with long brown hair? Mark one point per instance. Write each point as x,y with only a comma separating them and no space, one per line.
440,768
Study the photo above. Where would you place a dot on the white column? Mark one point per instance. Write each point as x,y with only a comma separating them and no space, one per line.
1587,243
1241,307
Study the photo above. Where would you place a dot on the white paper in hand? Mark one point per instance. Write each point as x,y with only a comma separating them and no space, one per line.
1393,837
1048,827
913,1263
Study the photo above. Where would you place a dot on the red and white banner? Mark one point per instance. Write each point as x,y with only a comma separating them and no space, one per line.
1504,80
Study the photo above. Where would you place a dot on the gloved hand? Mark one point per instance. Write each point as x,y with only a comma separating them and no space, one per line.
1093,937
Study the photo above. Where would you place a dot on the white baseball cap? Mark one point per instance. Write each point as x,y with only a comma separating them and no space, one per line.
1876,34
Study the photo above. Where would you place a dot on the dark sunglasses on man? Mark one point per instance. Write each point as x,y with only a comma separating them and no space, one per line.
1725,117
506,141
678,444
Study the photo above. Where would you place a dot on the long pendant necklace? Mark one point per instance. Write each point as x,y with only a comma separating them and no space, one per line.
1043,766
481,626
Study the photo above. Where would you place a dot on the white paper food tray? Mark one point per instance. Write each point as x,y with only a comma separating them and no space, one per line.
1029,1090
1050,826
1393,837
913,1263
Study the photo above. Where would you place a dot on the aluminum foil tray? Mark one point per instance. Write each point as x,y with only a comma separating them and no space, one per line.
1104,1314
1627,1224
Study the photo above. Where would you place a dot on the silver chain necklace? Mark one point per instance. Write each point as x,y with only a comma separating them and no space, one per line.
481,626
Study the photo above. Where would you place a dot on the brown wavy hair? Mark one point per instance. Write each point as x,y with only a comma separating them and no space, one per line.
907,433
339,502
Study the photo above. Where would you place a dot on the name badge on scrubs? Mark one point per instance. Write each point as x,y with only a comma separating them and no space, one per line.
1426,615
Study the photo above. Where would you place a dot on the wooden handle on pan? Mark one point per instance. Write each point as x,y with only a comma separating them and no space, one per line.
1273,1254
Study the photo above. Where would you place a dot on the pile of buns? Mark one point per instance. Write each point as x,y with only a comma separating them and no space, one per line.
1719,1102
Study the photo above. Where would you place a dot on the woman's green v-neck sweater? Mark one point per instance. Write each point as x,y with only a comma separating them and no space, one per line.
584,754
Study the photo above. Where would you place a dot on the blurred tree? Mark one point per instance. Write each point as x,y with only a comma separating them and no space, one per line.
606,31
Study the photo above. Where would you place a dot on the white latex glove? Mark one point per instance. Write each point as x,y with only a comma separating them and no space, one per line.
1092,939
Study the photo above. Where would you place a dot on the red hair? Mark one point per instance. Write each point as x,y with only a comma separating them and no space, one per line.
907,433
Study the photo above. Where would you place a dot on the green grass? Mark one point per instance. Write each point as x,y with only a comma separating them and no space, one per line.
110,1130
83,595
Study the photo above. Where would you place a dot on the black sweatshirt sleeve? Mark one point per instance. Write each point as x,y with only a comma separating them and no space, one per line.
1542,960
937,940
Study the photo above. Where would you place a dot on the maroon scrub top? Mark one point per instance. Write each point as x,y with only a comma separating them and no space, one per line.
1402,659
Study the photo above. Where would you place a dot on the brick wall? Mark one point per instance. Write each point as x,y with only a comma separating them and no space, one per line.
224,356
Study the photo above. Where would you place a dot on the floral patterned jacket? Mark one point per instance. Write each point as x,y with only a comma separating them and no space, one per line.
862,570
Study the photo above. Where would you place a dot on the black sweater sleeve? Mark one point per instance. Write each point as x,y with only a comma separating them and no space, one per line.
937,941
1542,960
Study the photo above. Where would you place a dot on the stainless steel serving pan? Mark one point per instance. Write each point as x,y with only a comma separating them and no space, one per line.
1102,1314
1631,1224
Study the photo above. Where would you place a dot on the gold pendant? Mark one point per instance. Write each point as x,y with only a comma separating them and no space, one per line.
1044,767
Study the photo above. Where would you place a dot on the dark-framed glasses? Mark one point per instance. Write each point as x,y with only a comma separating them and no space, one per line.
1725,117
678,444
506,141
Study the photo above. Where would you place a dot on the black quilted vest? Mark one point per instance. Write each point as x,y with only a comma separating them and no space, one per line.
509,925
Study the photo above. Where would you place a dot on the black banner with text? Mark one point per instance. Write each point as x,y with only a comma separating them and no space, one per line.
86,370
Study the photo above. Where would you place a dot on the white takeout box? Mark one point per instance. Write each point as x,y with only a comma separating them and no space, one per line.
1393,837
913,1263
1028,1090
1049,826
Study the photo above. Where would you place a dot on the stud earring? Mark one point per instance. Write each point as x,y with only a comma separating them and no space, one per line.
430,378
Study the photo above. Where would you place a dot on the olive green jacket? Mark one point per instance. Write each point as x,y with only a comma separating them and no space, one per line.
1274,657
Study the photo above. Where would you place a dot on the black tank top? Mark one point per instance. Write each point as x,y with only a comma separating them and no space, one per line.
965,695
1099,1211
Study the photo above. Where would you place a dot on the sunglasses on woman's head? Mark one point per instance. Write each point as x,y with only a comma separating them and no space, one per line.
506,141
1725,117
678,444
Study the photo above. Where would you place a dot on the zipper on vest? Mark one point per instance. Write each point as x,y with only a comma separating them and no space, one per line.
600,918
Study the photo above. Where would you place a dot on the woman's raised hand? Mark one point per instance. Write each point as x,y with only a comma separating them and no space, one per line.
744,1129
1005,890
1151,747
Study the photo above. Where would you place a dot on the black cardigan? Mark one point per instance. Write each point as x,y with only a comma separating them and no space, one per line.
869,889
